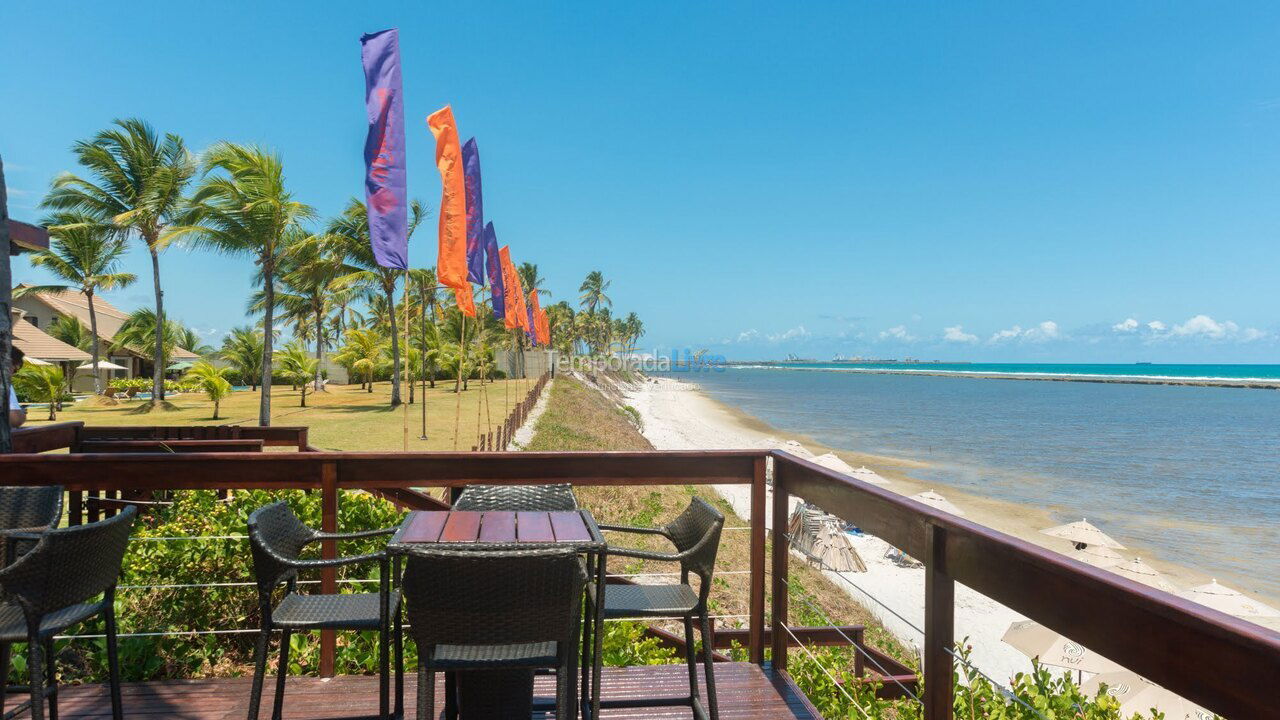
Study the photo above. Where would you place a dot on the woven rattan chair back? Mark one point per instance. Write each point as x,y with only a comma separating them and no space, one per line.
30,507
697,529
277,537
69,565
549,498
491,598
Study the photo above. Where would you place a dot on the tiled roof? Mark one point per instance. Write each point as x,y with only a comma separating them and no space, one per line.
37,343
110,318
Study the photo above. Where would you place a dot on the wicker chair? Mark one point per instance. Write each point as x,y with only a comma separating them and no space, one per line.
517,610
277,538
696,536
549,498
24,511
57,585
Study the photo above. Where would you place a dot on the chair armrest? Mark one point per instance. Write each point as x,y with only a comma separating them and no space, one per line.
23,534
643,554
352,535
635,530
336,562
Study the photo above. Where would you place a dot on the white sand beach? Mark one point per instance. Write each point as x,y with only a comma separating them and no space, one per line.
677,415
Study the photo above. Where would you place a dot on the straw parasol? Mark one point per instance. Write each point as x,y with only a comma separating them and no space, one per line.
102,365
1082,533
1039,642
833,551
1139,571
803,526
933,499
1097,556
1139,695
1231,602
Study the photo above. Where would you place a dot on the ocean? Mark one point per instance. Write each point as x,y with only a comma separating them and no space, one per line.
1190,473
1192,373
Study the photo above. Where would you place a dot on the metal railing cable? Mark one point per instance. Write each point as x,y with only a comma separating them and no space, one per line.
827,671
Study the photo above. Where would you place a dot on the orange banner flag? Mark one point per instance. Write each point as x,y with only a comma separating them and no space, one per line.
514,309
544,328
537,317
466,303
451,262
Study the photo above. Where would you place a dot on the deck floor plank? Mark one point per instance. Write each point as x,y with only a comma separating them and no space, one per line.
745,693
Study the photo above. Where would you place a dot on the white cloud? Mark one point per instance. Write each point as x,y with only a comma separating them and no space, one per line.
1251,334
1125,326
1156,326
957,334
795,332
1047,330
898,332
748,335
1002,335
1205,326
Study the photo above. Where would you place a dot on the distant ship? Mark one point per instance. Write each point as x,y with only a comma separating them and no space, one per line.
793,358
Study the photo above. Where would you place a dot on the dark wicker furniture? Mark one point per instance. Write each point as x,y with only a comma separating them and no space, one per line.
696,536
25,510
278,537
54,586
517,497
504,610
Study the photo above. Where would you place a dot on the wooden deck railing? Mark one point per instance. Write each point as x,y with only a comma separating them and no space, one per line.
1220,662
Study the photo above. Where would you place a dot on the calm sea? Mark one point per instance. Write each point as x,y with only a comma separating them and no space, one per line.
1192,473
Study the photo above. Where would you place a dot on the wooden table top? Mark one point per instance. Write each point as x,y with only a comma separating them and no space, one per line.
479,529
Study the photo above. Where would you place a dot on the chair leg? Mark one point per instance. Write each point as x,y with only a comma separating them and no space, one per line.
426,691
384,673
35,670
708,643
259,670
113,662
399,650
51,673
282,673
4,666
691,659
450,695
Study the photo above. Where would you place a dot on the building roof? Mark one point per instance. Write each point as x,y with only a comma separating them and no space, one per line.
25,236
36,343
110,318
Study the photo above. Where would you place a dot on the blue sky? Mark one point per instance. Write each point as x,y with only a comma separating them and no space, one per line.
1067,182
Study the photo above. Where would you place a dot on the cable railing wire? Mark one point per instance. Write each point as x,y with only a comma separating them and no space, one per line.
826,671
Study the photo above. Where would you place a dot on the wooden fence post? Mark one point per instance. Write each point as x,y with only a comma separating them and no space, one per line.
756,611
328,551
939,627
781,558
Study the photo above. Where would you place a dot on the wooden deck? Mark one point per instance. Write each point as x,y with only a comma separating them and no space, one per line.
744,690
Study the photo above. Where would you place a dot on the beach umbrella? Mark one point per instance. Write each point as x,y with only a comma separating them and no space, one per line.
1141,572
790,446
1097,555
1139,695
102,365
866,474
933,499
1039,642
834,551
1231,602
831,461
1082,533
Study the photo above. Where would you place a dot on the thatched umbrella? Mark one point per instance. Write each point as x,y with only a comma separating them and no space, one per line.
834,551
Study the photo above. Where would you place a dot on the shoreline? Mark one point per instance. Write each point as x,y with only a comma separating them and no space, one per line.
1237,383
678,414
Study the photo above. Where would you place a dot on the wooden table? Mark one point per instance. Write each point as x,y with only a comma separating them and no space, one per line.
524,530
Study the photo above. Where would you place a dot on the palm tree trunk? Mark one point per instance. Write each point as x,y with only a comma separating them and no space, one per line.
268,319
93,328
395,349
157,371
319,346
215,409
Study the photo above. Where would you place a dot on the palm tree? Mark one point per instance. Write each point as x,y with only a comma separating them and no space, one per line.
363,352
212,380
422,283
242,348
296,366
309,271
242,207
592,290
634,330
135,184
86,255
140,331
363,270
560,321
71,331
532,280
189,339
40,383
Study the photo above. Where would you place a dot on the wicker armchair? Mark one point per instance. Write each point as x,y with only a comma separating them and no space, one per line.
696,536
277,538
517,497
56,585
26,511
517,610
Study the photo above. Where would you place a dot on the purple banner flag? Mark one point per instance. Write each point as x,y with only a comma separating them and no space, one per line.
475,213
386,196
497,287
533,337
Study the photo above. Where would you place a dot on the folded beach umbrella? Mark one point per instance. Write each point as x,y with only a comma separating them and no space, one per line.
933,499
834,551
803,526
1097,555
1138,695
1141,572
1082,533
1039,642
1231,602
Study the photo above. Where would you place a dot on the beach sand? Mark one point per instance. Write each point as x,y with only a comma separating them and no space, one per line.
677,415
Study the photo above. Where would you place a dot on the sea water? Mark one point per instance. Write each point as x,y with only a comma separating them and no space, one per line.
1189,473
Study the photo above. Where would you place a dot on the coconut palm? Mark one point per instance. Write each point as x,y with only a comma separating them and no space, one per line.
189,339
633,330
531,280
242,349
212,380
422,288
295,365
71,331
40,383
363,352
86,255
363,270
308,273
135,183
560,321
592,290
139,332
242,207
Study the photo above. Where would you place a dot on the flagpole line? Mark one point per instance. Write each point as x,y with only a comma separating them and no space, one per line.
478,433
408,376
457,389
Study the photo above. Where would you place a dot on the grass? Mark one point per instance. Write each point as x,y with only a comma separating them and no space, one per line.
344,417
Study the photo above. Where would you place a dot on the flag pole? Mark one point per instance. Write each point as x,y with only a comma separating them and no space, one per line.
423,436
457,389
408,376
